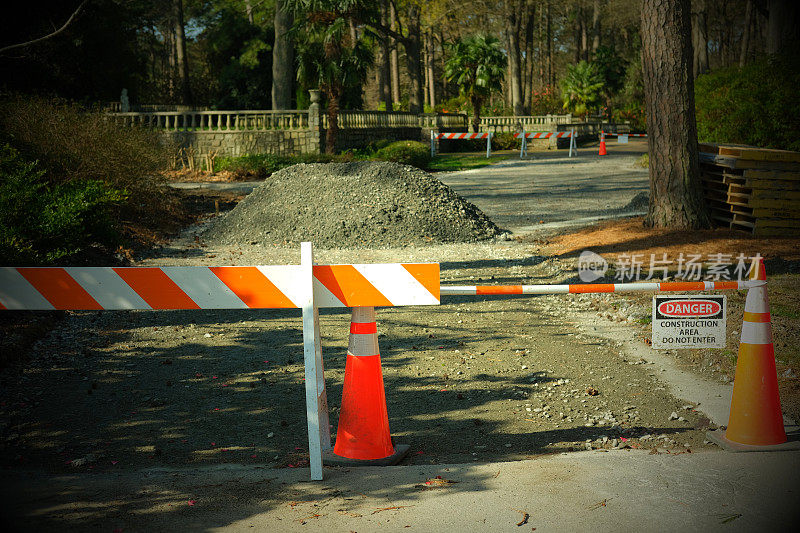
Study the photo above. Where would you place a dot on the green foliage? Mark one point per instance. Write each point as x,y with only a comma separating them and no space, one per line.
629,105
505,141
74,147
758,104
412,153
582,88
611,68
478,66
43,223
234,70
546,101
327,57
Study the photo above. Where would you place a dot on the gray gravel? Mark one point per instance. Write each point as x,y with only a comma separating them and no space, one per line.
375,204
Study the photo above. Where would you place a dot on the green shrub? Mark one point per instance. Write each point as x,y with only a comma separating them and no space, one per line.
412,153
42,223
75,145
504,141
758,104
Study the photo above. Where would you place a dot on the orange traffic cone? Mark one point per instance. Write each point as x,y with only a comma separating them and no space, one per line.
756,420
602,144
363,436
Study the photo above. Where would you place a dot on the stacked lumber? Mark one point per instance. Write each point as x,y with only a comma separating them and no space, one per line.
754,189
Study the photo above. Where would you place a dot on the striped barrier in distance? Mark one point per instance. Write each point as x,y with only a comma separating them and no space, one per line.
462,136
544,134
479,135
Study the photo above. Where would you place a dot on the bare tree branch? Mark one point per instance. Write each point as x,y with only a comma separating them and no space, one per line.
48,36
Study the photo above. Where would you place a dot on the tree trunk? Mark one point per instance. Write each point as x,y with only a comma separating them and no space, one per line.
549,37
700,39
596,25
528,64
394,60
181,60
748,23
431,75
513,16
444,78
333,121
783,27
384,66
675,192
551,79
476,102
248,9
577,34
282,58
584,36
413,46
169,66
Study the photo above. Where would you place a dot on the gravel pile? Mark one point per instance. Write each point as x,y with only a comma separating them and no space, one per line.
351,205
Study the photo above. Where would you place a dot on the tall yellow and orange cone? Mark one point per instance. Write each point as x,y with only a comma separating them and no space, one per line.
756,420
363,436
602,144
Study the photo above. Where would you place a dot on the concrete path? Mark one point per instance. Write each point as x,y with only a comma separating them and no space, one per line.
550,190
618,490
244,187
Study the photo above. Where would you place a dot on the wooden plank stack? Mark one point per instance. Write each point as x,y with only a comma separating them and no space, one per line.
754,189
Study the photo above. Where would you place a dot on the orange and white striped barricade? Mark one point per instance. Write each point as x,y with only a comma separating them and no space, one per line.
463,136
305,286
525,135
622,138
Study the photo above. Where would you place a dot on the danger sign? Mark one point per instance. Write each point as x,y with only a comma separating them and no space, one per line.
684,321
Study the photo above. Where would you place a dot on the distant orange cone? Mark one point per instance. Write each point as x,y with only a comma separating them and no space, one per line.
363,434
602,144
756,420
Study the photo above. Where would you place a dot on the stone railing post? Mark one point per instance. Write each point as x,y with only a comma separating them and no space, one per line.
314,124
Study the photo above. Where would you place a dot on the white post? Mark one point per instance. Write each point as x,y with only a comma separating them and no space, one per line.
523,147
489,145
433,145
319,431
572,141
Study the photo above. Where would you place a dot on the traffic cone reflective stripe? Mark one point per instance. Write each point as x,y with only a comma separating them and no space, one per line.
756,417
363,432
602,144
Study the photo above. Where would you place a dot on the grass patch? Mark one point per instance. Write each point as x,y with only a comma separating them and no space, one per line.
463,161
785,311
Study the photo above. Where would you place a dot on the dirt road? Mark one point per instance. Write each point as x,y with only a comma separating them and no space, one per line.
124,395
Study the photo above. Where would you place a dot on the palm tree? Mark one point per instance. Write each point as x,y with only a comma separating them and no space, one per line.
330,55
478,66
582,88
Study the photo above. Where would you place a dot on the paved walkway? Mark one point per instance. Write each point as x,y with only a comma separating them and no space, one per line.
550,189
618,490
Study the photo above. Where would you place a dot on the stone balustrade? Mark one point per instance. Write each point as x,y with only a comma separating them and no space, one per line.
201,136
528,123
216,120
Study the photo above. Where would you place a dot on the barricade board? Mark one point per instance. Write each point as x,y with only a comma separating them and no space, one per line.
223,287
688,321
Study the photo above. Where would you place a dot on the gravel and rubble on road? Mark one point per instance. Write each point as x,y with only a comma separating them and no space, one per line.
359,204
475,379
471,380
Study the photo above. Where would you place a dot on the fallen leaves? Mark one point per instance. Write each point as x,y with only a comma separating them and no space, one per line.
435,482
599,504
525,517
376,511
